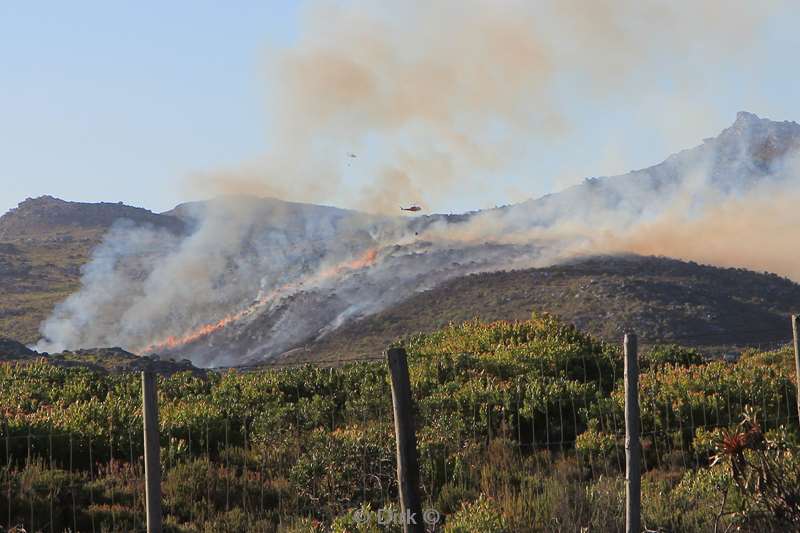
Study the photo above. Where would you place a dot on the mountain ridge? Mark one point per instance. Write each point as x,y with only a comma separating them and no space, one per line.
46,215
749,151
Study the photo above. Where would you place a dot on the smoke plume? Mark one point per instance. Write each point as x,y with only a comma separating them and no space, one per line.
754,232
434,98
421,102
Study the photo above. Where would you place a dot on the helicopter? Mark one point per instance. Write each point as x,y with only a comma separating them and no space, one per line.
413,208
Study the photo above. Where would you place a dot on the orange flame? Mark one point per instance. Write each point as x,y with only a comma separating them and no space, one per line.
174,341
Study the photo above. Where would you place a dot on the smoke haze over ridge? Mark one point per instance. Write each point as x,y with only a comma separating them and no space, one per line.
725,202
438,99
450,98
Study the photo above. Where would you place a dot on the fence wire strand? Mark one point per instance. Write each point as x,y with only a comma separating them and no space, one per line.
546,421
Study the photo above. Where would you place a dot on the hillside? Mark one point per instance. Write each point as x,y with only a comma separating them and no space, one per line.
750,153
43,245
259,277
659,298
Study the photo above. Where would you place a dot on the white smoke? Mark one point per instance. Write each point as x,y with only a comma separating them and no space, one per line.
144,284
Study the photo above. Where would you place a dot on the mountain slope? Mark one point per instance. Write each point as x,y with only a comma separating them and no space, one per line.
659,298
43,245
321,303
752,151
253,278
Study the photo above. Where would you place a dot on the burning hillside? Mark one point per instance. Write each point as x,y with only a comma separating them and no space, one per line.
322,304
255,278
419,106
273,297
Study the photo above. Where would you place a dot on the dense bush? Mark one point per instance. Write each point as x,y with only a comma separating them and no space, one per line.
520,428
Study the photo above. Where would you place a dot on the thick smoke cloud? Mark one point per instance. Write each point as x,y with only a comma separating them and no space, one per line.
144,285
755,232
440,98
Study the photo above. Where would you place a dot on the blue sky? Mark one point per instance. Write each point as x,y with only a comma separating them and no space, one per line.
110,101
116,100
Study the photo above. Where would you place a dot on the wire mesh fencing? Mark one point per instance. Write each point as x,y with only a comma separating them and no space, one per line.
294,447
58,480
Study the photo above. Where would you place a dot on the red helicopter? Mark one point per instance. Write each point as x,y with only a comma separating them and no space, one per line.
413,208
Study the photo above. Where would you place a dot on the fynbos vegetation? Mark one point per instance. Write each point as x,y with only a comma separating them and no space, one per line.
519,425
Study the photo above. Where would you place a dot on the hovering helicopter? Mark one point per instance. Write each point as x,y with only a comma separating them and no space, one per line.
413,208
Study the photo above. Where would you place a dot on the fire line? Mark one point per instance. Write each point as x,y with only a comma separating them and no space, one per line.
174,341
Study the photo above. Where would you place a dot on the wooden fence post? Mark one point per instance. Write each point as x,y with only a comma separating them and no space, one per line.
796,335
633,481
152,446
407,465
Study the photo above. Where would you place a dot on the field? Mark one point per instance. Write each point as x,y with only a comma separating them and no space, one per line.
520,428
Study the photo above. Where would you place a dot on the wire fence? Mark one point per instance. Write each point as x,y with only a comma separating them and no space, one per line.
269,450
59,482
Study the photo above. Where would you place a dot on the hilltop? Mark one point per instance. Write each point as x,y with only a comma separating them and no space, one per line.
51,218
659,298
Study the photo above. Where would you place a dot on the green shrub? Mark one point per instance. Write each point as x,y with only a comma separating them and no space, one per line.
479,516
670,354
